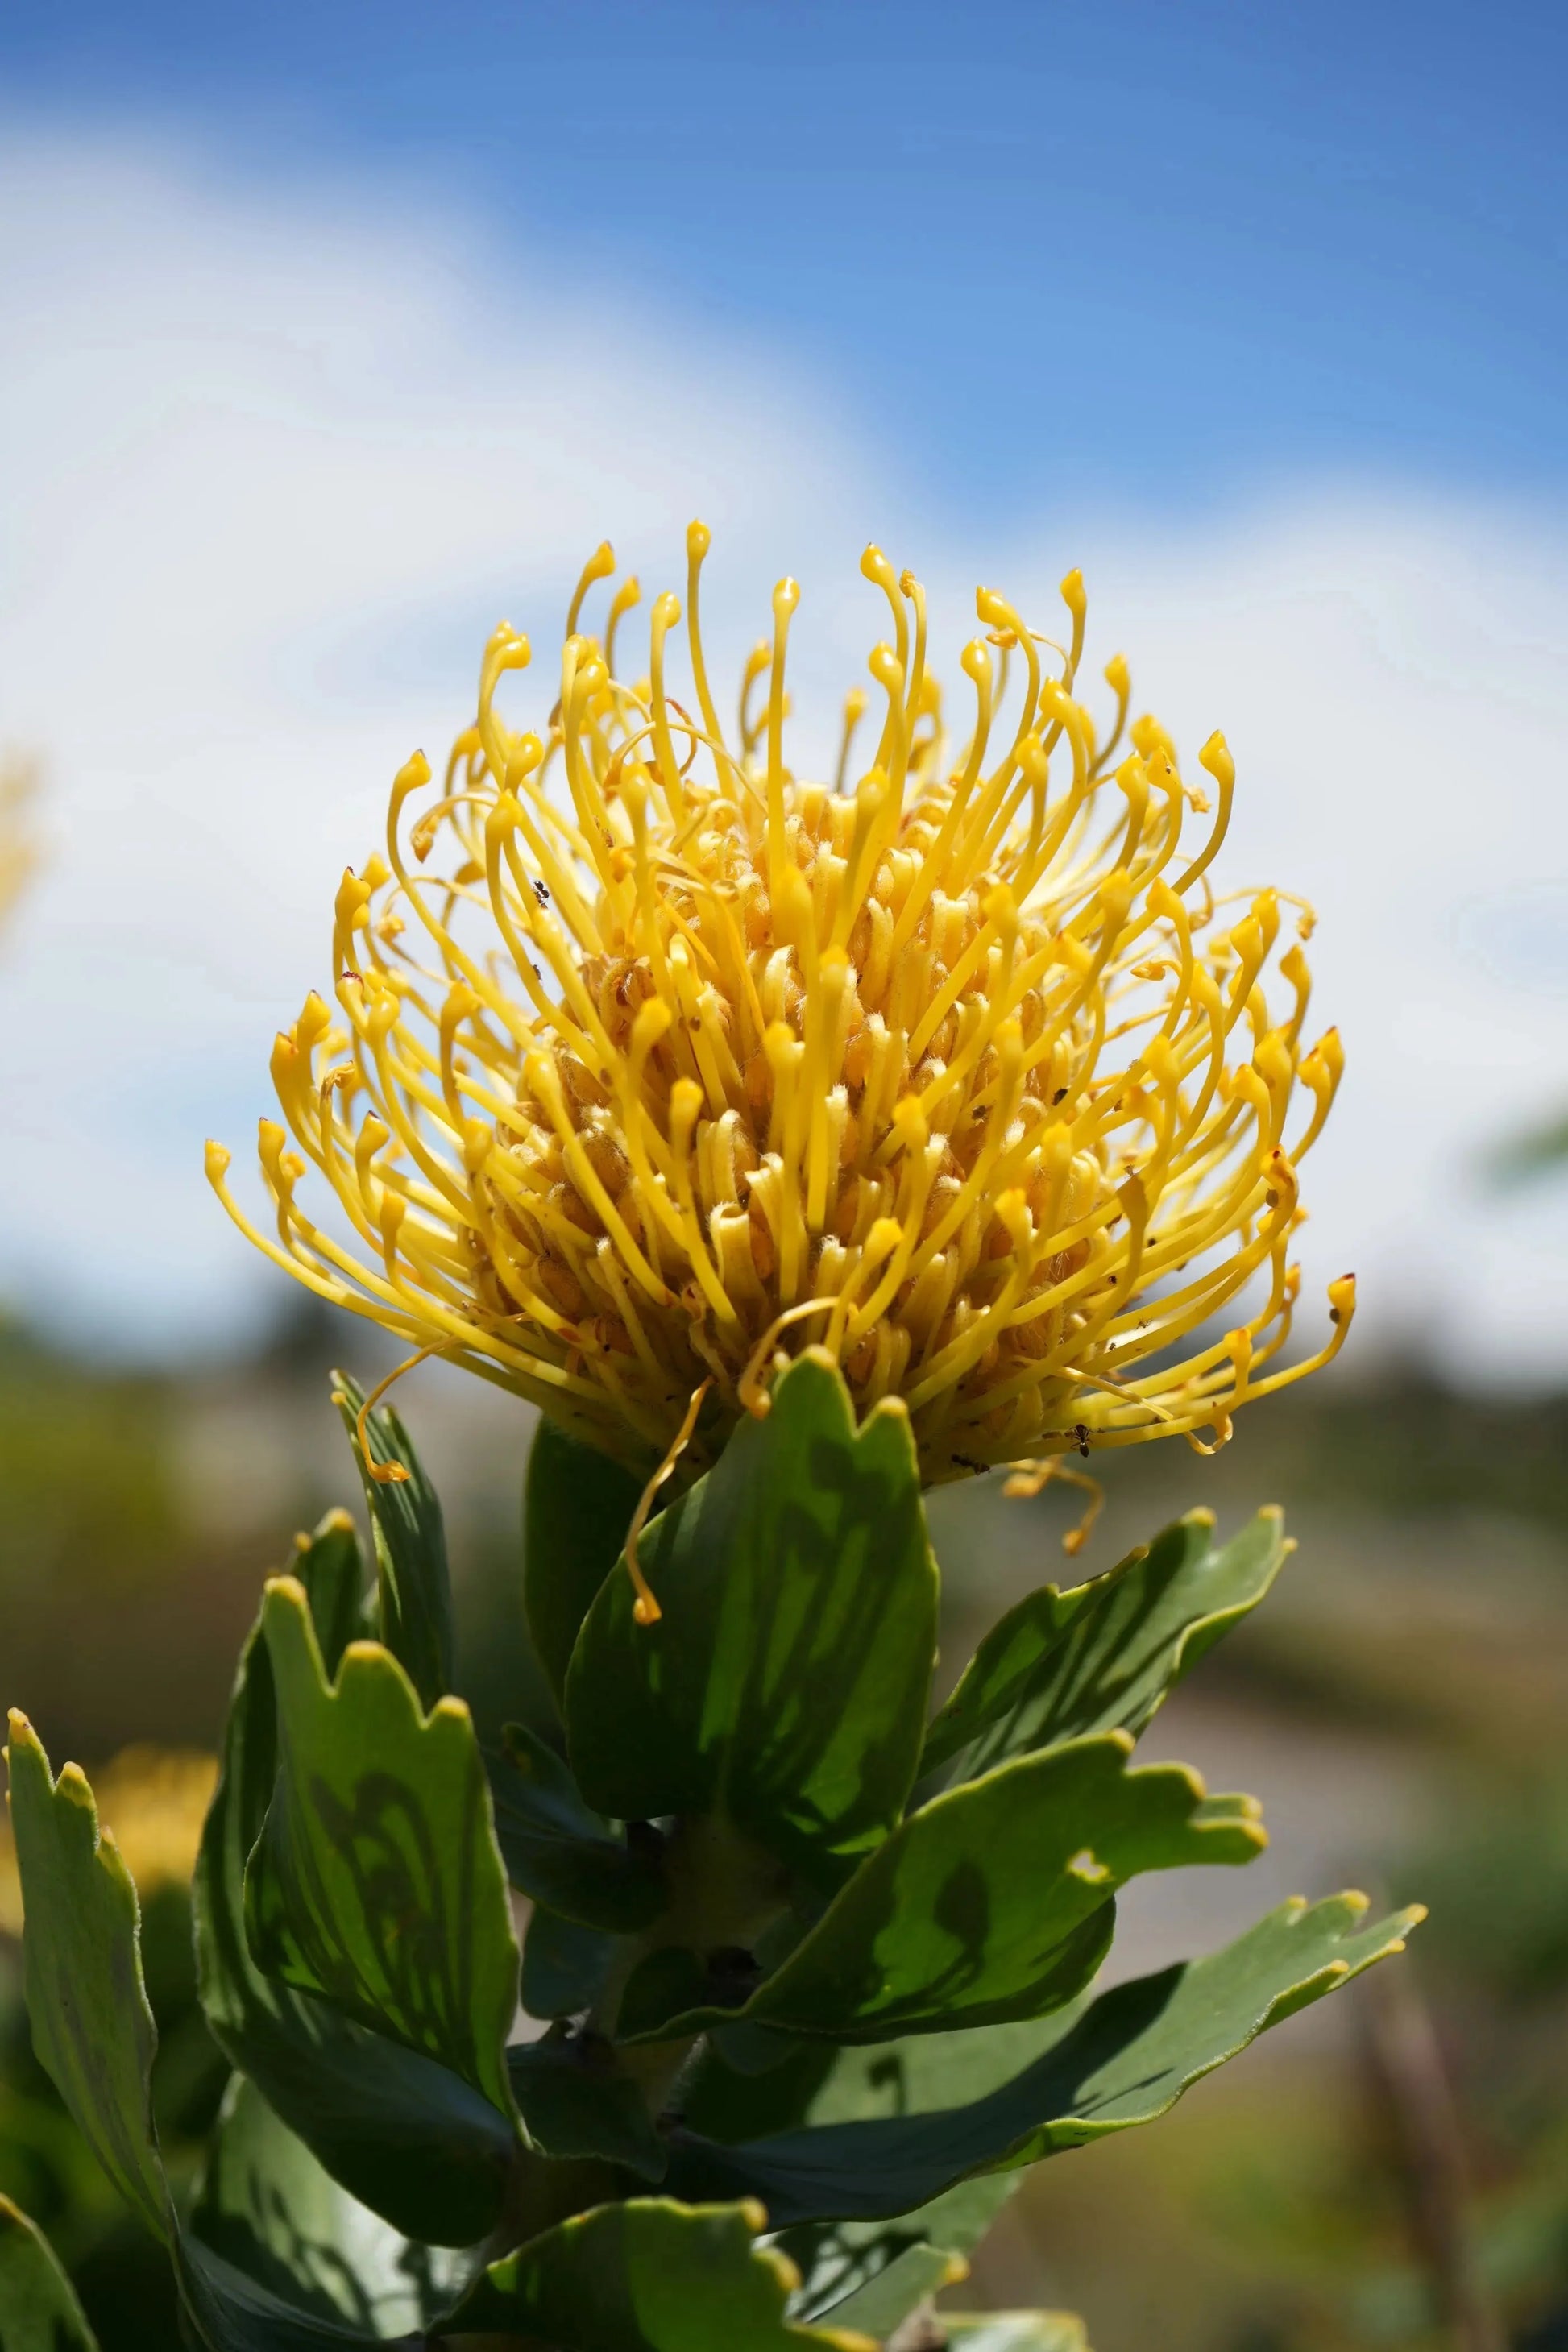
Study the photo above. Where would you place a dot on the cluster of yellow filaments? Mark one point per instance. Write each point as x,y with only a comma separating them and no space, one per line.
959,1070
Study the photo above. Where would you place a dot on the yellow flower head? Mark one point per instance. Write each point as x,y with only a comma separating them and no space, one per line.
648,1049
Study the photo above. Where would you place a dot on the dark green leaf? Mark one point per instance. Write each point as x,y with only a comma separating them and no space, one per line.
1111,2062
576,2101
376,1884
667,1981
93,2028
1101,1656
401,2134
991,1903
39,2309
413,1587
564,1966
645,2276
784,1685
577,1506
560,1852
230,2313
271,2211
722,2101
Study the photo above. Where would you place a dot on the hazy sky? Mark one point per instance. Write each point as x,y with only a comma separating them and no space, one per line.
333,334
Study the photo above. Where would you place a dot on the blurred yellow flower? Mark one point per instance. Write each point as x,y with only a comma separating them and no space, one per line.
647,1048
18,851
155,1800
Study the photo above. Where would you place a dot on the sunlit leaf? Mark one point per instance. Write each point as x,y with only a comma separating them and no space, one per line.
1103,1656
992,1902
92,2027
1015,2331
784,1683
377,1884
876,2307
413,1590
404,2134
646,2277
1110,2063
95,2032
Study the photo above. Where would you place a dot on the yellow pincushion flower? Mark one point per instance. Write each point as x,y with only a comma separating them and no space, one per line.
648,1049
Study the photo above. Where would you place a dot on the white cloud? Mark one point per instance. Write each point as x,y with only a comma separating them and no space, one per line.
270,469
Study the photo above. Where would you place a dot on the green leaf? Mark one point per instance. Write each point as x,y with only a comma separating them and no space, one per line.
39,2309
786,1684
577,1506
722,2101
93,2028
273,2213
991,1902
1103,1656
645,2276
576,2101
564,1966
376,1884
230,2313
560,1852
330,1567
401,2134
95,2033
841,2260
1015,2331
1121,2060
413,1587
919,2271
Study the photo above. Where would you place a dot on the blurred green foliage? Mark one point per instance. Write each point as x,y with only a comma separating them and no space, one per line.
91,1502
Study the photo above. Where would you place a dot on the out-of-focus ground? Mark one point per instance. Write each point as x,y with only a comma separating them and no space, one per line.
1400,1705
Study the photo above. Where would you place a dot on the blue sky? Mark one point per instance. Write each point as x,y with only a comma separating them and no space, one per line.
332,333
1046,255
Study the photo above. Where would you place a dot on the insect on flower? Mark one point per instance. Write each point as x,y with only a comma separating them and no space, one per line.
651,1055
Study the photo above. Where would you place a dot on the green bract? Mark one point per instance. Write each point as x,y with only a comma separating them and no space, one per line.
808,1973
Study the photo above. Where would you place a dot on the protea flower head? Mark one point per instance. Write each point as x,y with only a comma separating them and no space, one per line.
653,1058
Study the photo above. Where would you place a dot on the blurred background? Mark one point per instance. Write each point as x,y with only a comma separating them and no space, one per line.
334,333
